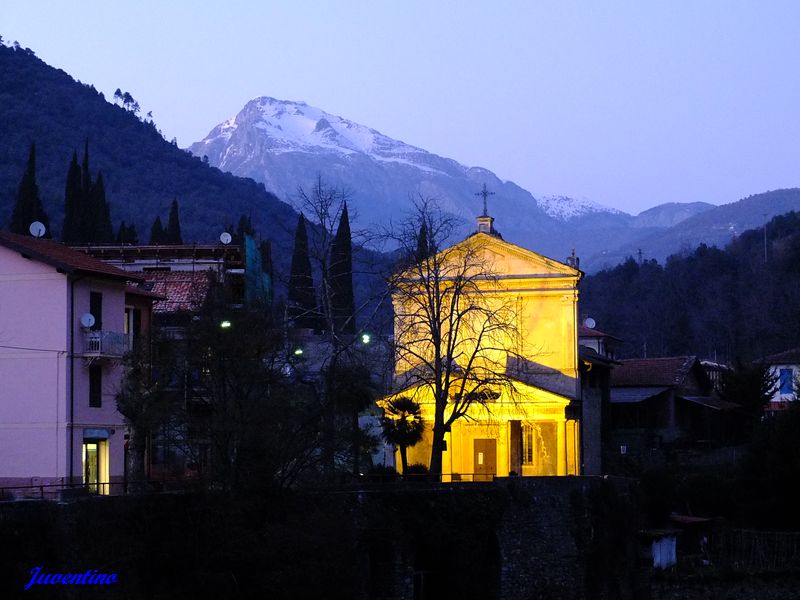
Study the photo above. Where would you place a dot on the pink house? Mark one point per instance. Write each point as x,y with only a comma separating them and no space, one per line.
66,320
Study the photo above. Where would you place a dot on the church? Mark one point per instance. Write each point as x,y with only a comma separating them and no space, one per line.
505,365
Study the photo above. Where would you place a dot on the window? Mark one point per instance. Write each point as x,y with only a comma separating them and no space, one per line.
96,308
787,381
527,444
95,386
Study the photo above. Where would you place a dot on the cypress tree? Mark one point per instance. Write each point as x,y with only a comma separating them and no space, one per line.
122,233
340,272
423,250
73,209
132,236
302,306
100,213
86,216
157,233
172,235
126,234
28,207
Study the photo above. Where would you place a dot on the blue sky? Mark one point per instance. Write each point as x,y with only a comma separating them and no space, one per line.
629,104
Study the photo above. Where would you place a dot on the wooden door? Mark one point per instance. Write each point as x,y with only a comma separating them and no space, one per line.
484,460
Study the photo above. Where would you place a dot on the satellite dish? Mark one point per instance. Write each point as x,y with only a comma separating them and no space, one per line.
589,322
87,320
225,238
37,229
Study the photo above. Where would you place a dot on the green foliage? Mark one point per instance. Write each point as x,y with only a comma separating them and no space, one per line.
716,303
770,494
142,171
750,385
403,425
28,207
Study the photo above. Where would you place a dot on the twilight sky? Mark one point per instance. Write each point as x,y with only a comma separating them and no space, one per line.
629,104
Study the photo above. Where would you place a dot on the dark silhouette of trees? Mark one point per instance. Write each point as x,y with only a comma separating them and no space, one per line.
157,233
302,304
716,303
402,425
172,234
126,234
87,213
28,207
751,386
72,230
340,271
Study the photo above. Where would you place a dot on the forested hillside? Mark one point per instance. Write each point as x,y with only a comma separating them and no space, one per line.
143,173
716,303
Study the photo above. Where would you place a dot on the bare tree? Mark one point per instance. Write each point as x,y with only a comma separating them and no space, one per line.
342,374
453,334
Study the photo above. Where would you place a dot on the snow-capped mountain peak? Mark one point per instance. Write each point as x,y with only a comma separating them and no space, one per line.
291,126
565,208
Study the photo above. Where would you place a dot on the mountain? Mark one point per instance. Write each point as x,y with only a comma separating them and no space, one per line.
714,226
285,145
142,171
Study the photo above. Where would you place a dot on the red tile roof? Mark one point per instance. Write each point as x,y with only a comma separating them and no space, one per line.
183,290
61,257
652,371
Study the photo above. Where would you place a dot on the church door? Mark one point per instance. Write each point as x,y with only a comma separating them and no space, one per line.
485,460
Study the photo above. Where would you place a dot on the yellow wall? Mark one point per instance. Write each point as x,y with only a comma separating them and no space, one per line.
540,296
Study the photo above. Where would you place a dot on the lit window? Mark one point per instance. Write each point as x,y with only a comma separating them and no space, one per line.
787,381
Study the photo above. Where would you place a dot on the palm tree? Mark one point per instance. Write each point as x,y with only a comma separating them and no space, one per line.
402,425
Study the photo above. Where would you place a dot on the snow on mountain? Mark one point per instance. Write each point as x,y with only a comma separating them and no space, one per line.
565,208
286,145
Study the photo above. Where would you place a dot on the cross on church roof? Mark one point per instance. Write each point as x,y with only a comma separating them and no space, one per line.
485,193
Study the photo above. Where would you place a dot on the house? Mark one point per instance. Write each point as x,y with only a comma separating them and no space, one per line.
596,352
66,320
656,401
785,367
531,424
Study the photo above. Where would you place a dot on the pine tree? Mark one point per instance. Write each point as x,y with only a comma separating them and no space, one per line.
157,233
172,235
73,209
28,207
302,307
341,278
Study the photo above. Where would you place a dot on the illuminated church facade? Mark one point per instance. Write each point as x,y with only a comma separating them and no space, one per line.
530,425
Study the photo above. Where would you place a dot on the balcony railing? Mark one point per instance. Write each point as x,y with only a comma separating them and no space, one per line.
105,343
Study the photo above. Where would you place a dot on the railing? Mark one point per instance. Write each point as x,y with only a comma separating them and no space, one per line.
105,343
69,491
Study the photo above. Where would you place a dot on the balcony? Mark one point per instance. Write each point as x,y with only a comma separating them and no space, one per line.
105,344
